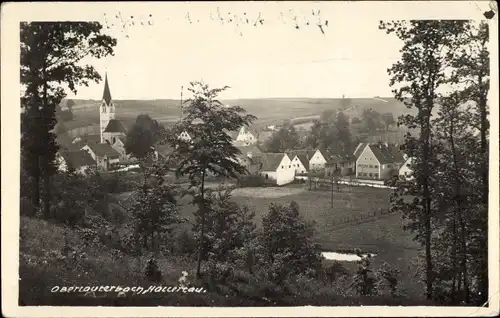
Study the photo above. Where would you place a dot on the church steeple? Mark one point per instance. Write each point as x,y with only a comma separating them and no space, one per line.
106,95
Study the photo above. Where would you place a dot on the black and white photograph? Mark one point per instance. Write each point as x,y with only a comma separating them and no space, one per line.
279,158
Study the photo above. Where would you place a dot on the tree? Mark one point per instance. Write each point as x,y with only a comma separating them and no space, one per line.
50,56
143,135
288,242
154,209
419,74
282,140
210,150
388,119
343,135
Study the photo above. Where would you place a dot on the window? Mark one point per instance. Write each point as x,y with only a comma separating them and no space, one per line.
370,166
370,174
289,166
375,166
282,167
375,175
267,176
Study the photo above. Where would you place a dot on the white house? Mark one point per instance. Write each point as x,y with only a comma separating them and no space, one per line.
300,160
246,137
185,136
378,161
277,167
317,161
119,146
405,171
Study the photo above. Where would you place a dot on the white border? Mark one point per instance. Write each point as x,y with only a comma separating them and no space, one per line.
13,13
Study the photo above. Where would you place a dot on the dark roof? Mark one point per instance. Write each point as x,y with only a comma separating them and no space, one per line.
64,140
270,161
164,149
396,153
106,95
303,155
77,159
382,154
359,149
338,157
104,149
115,126
89,138
253,149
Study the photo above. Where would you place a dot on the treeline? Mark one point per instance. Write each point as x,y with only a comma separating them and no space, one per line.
446,203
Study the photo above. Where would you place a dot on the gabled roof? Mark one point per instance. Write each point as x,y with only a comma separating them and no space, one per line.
270,161
104,149
396,153
359,149
338,157
253,149
78,159
89,138
115,126
382,154
303,155
106,95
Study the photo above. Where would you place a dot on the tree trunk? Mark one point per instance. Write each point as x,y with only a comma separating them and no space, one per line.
463,241
35,192
483,279
427,213
46,161
202,224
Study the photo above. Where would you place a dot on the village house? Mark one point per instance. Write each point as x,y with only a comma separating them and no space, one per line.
378,161
105,156
77,161
185,136
317,161
276,167
406,171
300,160
245,136
340,165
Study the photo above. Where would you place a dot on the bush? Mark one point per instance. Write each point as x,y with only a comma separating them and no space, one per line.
185,243
253,181
26,207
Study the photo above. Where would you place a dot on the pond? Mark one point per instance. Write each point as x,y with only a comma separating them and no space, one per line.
344,257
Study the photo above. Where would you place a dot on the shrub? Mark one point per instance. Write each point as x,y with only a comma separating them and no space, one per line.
252,181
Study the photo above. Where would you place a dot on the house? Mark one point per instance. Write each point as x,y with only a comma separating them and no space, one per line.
119,146
78,161
245,136
406,171
185,136
340,164
378,161
300,160
105,156
318,161
277,167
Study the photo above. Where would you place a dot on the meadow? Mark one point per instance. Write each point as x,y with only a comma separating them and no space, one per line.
267,110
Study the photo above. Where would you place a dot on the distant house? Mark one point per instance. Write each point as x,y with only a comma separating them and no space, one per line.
245,136
105,156
119,146
78,161
300,160
277,167
378,161
185,136
318,161
340,164
250,158
406,171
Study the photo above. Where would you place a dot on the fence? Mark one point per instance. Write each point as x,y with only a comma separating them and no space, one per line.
326,183
362,218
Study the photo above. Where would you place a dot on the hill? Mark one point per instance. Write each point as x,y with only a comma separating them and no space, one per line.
268,110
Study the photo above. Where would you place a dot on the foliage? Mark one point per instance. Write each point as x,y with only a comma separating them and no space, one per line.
143,135
286,138
51,53
210,149
287,242
365,281
446,200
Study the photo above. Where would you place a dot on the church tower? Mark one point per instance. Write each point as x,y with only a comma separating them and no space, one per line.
107,108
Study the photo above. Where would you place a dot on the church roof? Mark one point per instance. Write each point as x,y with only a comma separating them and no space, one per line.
115,126
106,95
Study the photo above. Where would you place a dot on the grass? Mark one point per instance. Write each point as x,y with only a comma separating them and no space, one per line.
268,110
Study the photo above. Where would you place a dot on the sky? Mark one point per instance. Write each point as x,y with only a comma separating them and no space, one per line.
273,59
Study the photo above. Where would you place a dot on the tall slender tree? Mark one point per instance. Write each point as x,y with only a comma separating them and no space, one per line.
50,57
210,149
418,75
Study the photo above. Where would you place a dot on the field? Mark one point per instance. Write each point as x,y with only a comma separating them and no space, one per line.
268,110
383,236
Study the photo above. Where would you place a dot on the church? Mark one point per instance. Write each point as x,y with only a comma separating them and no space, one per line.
112,129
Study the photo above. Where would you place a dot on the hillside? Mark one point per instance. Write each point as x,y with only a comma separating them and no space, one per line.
268,110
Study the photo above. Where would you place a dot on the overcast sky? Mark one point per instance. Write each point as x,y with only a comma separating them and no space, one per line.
153,61
273,59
